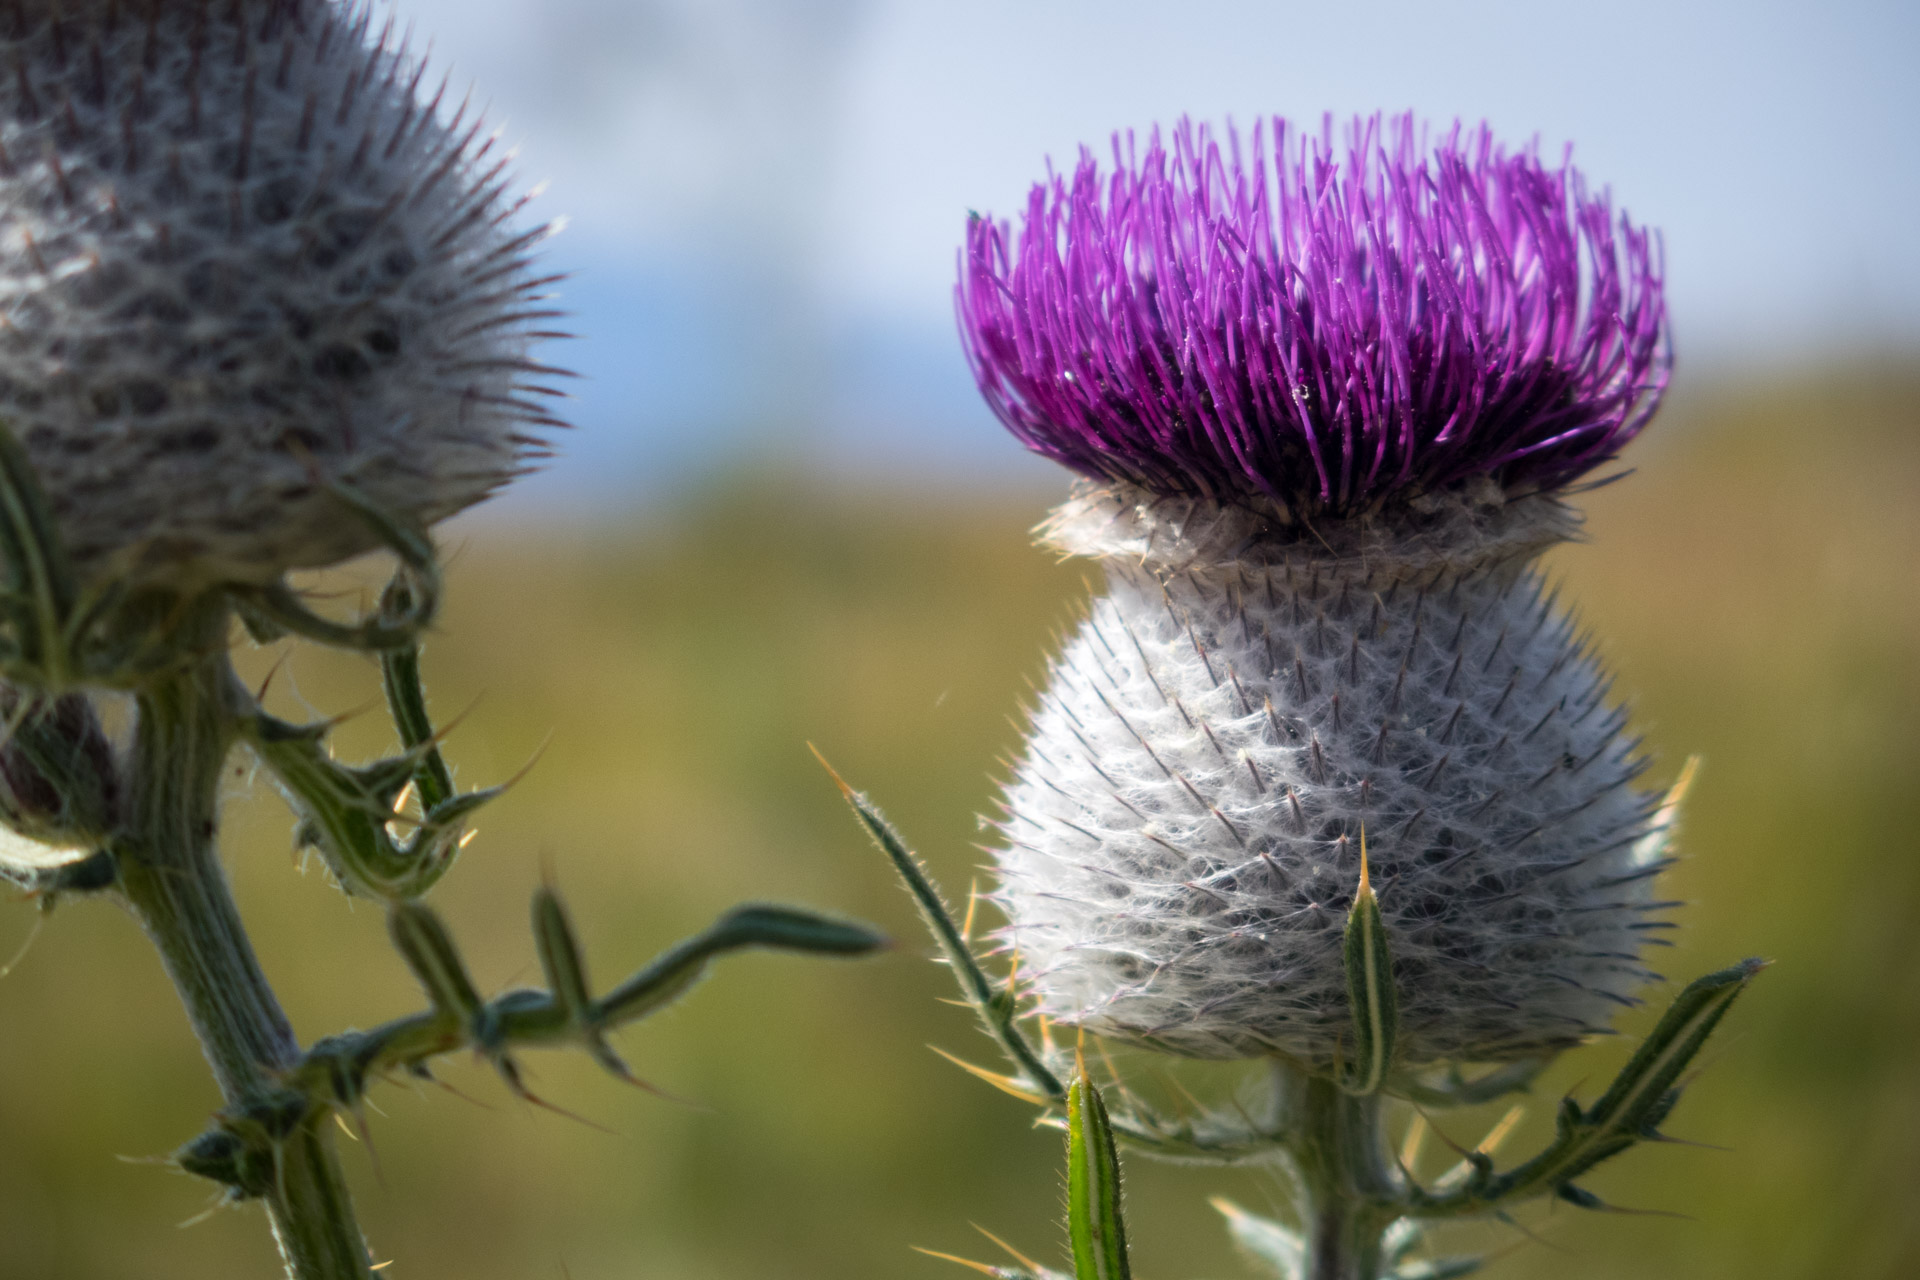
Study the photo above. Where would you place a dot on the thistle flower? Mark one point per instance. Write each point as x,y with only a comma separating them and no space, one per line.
243,259
1326,400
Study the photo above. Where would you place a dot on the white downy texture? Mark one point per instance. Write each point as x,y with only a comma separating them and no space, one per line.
1182,834
242,257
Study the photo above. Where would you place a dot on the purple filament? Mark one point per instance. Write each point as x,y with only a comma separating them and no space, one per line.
1324,328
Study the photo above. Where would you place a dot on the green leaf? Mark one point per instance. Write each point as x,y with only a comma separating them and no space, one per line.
779,928
1371,997
1094,1225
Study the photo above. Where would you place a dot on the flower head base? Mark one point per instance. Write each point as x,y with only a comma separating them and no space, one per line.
1325,328
244,261
1237,715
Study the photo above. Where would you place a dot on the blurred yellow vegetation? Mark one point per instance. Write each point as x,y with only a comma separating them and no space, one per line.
1756,584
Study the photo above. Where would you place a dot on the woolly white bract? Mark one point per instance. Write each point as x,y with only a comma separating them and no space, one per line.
241,258
1183,830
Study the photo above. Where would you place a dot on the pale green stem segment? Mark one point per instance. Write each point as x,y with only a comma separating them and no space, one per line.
1352,1187
171,877
1370,991
1094,1225
407,700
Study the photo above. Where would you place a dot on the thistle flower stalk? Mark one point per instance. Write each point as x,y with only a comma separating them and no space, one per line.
170,877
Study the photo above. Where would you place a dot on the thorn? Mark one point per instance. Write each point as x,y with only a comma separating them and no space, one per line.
1416,1138
1006,1084
1509,1220
511,1073
1106,1059
981,1267
456,1092
260,695
616,1067
1585,1199
1012,1252
364,1136
1183,1095
1228,1209
1677,793
846,791
1668,1140
524,769
1499,1133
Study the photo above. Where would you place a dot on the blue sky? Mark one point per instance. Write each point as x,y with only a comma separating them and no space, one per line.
764,196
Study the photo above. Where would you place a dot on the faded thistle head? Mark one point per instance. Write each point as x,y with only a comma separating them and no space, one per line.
1326,392
247,256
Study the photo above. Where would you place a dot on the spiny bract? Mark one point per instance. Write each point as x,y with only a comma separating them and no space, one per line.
242,258
1327,424
1183,833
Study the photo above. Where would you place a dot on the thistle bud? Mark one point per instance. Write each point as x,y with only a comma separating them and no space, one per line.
59,784
1326,401
244,258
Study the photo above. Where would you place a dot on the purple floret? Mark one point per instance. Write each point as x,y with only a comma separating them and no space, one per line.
1324,329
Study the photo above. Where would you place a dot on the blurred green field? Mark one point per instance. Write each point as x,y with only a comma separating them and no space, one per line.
1757,585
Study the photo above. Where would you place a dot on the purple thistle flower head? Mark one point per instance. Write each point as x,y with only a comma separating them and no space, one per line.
1326,328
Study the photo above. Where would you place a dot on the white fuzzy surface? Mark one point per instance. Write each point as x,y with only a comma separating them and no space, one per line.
1182,833
239,259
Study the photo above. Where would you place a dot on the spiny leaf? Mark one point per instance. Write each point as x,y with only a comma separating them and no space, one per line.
1640,1096
995,1006
779,928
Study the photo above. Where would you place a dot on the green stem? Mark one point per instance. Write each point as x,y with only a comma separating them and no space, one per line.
1351,1187
171,876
